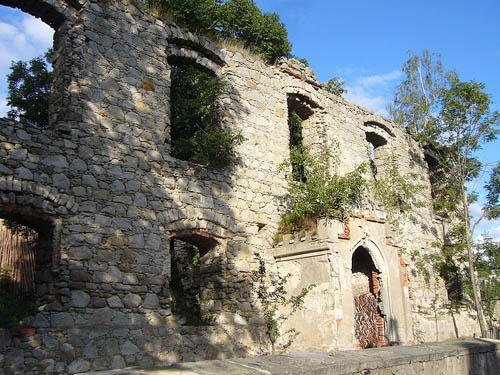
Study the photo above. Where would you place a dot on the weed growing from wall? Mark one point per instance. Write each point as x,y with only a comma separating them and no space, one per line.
276,306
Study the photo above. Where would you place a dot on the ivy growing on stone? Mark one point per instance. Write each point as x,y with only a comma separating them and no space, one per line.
196,115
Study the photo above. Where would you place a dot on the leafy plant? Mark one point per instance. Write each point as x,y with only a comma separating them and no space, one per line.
239,20
320,193
276,306
335,86
196,113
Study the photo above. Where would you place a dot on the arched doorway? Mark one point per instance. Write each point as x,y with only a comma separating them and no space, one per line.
369,327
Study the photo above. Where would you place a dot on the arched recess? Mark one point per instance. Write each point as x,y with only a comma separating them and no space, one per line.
196,274
368,265
29,257
60,15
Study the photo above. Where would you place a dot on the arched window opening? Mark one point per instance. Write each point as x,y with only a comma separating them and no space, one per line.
376,151
26,73
26,277
366,287
194,269
196,111
300,109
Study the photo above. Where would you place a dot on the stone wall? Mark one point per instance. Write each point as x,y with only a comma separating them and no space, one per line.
103,179
463,357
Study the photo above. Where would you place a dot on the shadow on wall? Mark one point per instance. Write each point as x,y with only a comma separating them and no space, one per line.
112,303
479,363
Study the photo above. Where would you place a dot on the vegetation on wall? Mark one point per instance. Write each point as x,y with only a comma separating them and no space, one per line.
276,306
315,190
322,192
237,20
196,115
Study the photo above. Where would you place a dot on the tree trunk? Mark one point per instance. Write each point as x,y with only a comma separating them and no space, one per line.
470,255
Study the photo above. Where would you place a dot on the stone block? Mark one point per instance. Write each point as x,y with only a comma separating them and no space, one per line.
151,301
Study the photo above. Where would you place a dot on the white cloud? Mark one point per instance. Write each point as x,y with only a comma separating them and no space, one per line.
494,234
373,92
367,98
475,210
3,107
39,31
379,79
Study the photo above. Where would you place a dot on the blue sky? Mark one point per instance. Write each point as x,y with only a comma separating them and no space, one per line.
363,42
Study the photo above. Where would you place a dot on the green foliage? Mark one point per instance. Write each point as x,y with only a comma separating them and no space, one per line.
303,60
239,20
13,306
417,99
450,262
465,119
397,192
29,90
335,86
276,306
196,114
492,207
196,256
320,193
296,146
488,267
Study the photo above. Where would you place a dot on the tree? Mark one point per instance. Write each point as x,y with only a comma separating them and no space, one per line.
417,99
452,119
29,89
488,264
465,123
239,20
335,86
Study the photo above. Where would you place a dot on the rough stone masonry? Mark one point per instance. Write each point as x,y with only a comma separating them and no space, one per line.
101,186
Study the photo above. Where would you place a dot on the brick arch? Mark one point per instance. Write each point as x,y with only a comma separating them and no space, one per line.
53,12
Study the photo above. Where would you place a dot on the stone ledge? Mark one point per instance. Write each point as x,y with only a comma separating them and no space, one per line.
369,361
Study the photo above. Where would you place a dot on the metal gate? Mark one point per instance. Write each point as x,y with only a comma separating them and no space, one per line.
365,320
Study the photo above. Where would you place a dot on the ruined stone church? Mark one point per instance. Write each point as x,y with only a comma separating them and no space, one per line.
119,221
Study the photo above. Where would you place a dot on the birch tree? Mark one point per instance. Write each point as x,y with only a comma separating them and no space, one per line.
465,124
417,99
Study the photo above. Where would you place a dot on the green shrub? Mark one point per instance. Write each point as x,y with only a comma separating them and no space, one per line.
239,20
321,193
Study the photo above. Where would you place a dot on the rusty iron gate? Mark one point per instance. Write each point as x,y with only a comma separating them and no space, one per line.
365,320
